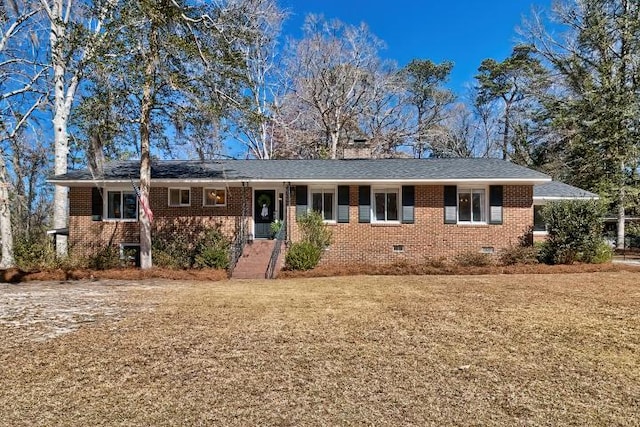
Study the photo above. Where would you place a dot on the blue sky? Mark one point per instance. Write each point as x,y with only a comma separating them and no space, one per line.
463,31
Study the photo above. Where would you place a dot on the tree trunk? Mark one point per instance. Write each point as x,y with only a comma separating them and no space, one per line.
60,118
335,136
146,260
267,149
621,232
6,233
505,135
621,213
60,195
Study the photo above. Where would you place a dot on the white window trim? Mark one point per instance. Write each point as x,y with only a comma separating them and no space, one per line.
105,204
386,189
215,205
324,189
179,205
485,208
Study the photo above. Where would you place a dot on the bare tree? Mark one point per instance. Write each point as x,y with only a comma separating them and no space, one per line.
21,73
252,122
385,120
330,71
70,51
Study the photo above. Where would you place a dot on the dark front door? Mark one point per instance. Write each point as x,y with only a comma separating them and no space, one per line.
263,212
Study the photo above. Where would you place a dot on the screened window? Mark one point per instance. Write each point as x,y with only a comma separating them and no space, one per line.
322,201
179,197
538,220
122,205
214,197
472,205
385,205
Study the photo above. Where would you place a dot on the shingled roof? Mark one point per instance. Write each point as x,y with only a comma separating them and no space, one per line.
559,190
375,170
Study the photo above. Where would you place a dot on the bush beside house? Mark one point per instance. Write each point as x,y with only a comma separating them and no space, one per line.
206,248
574,233
316,236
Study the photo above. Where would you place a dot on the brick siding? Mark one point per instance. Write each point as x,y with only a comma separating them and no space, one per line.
428,236
86,235
353,242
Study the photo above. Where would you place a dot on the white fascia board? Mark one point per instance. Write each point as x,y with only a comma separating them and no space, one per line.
508,181
178,182
90,183
555,198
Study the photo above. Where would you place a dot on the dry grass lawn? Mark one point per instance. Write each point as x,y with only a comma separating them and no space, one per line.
415,350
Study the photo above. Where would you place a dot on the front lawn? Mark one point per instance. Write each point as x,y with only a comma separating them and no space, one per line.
559,349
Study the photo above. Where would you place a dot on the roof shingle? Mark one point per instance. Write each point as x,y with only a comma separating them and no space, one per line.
560,190
314,170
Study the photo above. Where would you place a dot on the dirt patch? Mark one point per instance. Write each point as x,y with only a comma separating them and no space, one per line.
41,311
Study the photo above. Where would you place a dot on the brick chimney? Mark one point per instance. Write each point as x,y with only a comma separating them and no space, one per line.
357,149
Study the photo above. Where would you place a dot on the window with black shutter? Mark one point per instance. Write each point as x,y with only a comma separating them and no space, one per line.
96,204
408,202
301,200
364,203
495,204
343,203
450,204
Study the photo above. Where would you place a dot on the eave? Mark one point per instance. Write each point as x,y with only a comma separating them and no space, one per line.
239,182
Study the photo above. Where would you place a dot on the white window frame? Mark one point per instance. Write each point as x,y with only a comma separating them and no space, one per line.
334,208
485,207
215,205
180,204
122,191
386,190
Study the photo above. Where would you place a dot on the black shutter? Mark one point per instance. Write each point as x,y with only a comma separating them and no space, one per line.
450,204
96,204
301,200
408,202
364,203
495,204
343,203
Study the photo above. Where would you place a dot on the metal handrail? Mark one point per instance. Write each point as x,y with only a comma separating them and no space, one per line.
275,254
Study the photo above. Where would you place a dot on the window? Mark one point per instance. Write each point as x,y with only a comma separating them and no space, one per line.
472,205
214,197
130,254
179,197
538,220
385,205
122,205
322,201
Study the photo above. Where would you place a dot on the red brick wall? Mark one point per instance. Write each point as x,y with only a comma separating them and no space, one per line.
429,236
85,235
352,243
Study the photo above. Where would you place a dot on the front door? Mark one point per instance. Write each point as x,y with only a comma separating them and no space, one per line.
263,212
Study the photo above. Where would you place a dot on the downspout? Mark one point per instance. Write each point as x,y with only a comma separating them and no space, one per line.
287,203
243,213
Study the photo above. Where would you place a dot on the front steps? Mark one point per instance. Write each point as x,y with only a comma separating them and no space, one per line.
254,260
